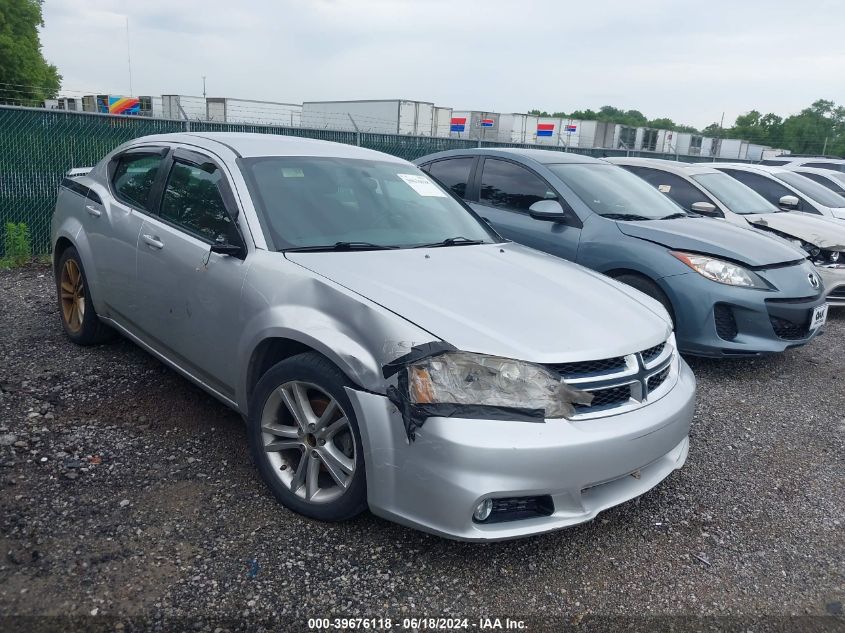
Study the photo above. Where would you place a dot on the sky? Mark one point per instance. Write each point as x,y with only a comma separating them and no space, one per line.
689,61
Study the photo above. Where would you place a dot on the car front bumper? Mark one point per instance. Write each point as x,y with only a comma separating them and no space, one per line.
435,483
834,283
765,322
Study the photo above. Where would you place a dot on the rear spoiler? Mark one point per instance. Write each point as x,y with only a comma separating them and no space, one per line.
76,172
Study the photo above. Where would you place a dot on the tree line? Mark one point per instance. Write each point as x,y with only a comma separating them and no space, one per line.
817,129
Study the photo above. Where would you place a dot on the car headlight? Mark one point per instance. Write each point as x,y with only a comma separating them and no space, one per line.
464,378
719,270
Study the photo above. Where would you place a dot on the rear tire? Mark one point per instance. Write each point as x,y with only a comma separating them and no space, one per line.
304,438
76,310
648,287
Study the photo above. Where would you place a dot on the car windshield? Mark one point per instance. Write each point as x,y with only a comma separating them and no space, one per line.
734,195
317,202
616,193
811,189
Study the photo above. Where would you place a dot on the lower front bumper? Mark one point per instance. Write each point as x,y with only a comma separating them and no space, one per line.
435,483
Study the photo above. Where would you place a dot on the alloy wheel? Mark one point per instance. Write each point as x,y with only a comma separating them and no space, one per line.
309,441
72,289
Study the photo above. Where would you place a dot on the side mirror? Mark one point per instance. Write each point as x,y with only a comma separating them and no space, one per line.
789,203
224,248
547,210
705,208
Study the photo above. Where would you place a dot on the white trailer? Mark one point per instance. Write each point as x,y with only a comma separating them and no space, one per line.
707,146
755,151
386,116
183,107
250,111
475,125
441,121
732,148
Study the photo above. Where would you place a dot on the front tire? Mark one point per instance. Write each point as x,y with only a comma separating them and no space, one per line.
304,438
79,319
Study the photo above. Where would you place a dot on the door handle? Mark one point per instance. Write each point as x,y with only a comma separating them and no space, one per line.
152,241
92,210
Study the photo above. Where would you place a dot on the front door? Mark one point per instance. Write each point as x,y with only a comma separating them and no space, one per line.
507,191
190,306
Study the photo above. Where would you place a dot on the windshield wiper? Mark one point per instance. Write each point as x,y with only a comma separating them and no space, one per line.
452,241
341,246
625,216
673,216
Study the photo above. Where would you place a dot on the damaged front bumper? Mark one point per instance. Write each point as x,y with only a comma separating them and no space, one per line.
833,278
578,468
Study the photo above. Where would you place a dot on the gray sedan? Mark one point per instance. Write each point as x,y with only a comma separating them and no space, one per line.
386,347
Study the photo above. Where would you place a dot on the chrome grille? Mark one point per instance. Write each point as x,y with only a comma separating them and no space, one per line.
623,382
652,352
590,367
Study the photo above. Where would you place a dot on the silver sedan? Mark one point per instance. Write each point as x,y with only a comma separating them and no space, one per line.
386,347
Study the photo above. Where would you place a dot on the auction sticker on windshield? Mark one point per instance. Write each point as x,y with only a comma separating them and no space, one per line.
819,317
422,185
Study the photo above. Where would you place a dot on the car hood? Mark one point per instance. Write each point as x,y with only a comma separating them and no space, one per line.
715,237
504,300
818,230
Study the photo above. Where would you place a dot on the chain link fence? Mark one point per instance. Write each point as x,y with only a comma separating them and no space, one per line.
37,147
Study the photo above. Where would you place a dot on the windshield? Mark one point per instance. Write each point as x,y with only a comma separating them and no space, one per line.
616,193
316,201
734,195
811,189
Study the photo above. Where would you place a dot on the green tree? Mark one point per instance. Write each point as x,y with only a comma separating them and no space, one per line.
25,76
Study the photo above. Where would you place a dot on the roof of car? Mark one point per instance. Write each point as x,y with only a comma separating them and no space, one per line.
249,145
672,166
543,156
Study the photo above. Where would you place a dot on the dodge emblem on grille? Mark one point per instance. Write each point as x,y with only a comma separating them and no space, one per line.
814,280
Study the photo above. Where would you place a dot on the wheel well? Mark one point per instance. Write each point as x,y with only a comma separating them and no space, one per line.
269,352
62,244
616,272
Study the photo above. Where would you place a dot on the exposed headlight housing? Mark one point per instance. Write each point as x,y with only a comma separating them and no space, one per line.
720,271
828,258
464,378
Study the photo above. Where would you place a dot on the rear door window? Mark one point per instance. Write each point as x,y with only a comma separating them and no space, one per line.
452,173
508,185
767,187
134,177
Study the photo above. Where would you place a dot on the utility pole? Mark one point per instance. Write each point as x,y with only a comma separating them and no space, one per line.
719,138
203,86
824,149
128,55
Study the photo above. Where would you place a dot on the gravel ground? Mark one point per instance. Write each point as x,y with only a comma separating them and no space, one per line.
126,491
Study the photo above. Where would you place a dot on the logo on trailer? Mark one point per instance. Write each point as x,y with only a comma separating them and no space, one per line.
458,124
124,105
570,129
545,129
486,122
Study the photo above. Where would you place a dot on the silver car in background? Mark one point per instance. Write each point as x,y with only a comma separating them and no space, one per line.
386,347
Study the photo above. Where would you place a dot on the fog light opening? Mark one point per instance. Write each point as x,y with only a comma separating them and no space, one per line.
483,510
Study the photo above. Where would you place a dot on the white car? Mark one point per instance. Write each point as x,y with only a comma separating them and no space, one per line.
833,180
787,189
815,162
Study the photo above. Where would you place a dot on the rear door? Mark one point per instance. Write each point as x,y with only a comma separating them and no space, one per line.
113,225
190,297
506,190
